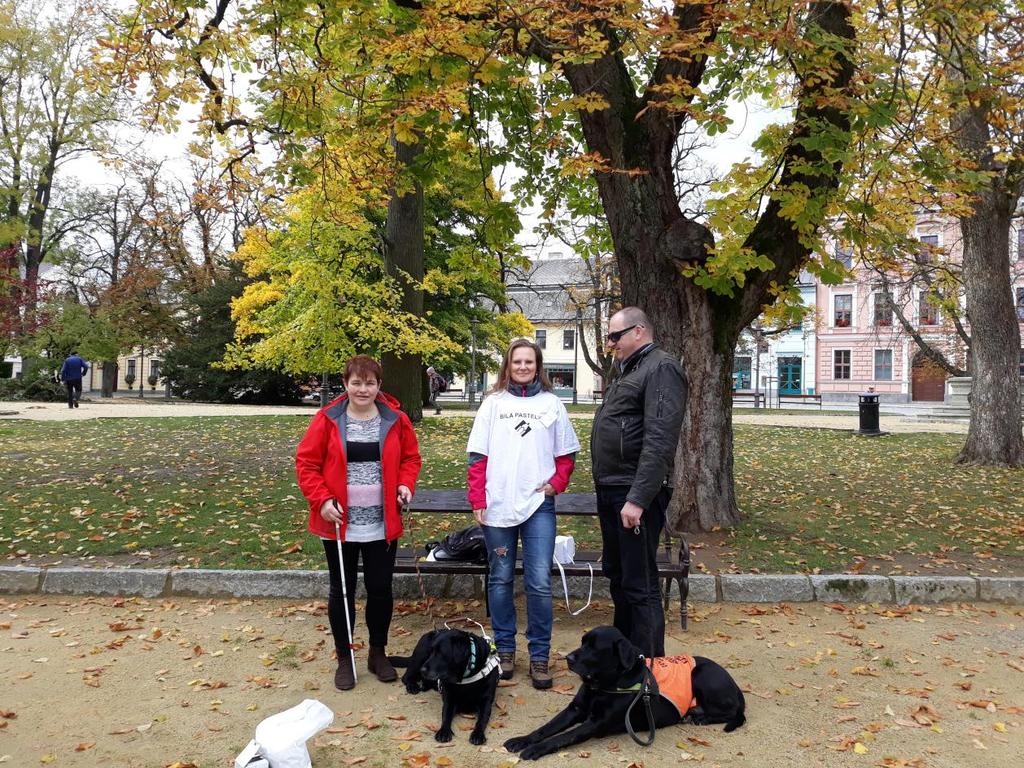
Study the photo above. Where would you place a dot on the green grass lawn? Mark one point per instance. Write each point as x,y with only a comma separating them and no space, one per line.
220,492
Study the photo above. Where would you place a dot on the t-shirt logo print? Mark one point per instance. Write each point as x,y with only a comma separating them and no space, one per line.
523,428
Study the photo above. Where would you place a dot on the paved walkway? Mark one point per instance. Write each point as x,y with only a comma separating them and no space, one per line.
130,408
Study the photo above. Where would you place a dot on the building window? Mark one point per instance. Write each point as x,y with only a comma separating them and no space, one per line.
560,378
131,367
928,310
568,339
154,368
928,244
844,310
541,338
841,364
883,365
1020,242
844,254
883,310
741,372
1020,304
1021,359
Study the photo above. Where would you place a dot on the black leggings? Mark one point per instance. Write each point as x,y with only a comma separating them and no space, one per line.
378,569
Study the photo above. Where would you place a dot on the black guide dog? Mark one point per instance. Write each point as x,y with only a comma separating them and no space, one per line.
461,666
612,670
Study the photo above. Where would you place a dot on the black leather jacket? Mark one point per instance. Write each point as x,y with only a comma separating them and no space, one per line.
637,426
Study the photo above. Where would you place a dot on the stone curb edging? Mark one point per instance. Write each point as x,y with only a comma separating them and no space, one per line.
704,588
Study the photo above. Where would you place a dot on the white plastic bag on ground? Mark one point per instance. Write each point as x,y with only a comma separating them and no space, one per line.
281,738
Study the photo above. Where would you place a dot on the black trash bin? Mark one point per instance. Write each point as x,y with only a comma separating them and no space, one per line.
869,414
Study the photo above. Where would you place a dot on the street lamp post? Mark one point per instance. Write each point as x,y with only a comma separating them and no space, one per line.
142,371
472,365
576,356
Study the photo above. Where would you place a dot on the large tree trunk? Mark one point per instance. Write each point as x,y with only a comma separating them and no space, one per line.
109,381
994,435
404,262
654,241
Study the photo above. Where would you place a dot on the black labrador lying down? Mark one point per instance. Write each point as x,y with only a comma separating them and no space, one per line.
612,670
462,666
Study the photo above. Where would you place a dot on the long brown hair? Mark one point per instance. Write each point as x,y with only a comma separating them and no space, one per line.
505,375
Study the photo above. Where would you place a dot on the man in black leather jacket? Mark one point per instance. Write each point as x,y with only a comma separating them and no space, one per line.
633,446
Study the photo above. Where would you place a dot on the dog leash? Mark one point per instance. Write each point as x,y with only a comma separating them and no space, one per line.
647,682
416,561
648,688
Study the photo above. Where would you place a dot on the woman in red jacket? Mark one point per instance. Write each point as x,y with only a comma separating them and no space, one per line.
357,466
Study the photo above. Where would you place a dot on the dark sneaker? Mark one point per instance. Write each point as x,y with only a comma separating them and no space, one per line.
508,664
539,674
344,677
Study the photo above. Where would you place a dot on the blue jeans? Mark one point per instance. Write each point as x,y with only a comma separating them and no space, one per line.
538,535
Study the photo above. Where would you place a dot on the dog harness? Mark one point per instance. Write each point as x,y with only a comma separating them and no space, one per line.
674,678
490,663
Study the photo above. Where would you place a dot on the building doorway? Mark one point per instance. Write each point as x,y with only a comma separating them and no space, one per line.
927,380
790,375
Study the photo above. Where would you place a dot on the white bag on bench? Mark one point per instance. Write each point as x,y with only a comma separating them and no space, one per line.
565,554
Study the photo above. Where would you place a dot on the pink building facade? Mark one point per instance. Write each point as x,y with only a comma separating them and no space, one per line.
862,346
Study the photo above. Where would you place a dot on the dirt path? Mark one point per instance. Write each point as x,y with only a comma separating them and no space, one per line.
133,683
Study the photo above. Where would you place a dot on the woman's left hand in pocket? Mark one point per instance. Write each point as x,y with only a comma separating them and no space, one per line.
548,488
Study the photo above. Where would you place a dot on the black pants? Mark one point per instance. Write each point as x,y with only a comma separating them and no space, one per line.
74,387
378,568
638,611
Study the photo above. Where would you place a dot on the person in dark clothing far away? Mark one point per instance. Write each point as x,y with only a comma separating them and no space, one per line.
436,387
633,445
71,374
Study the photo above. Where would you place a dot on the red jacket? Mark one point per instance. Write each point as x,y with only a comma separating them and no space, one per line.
323,474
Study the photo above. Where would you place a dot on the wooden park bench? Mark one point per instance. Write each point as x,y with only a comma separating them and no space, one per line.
756,399
800,400
453,502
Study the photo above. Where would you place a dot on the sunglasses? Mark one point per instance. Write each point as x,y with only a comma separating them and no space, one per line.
615,336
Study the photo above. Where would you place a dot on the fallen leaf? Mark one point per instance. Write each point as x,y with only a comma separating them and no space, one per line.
84,745
860,749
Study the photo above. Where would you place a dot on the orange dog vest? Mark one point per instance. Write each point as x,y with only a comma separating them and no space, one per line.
673,675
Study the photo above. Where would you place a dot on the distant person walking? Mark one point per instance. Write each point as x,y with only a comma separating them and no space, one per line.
633,445
71,374
437,386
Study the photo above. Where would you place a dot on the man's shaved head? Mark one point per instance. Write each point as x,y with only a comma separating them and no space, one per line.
635,316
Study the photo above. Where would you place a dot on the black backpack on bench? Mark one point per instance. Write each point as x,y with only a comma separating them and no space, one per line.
466,545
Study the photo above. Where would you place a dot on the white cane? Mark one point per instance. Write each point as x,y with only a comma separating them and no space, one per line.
344,592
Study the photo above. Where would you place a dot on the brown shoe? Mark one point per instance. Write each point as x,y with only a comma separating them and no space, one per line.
540,675
380,666
344,676
508,664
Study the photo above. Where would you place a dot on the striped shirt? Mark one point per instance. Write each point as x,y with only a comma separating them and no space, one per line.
365,482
